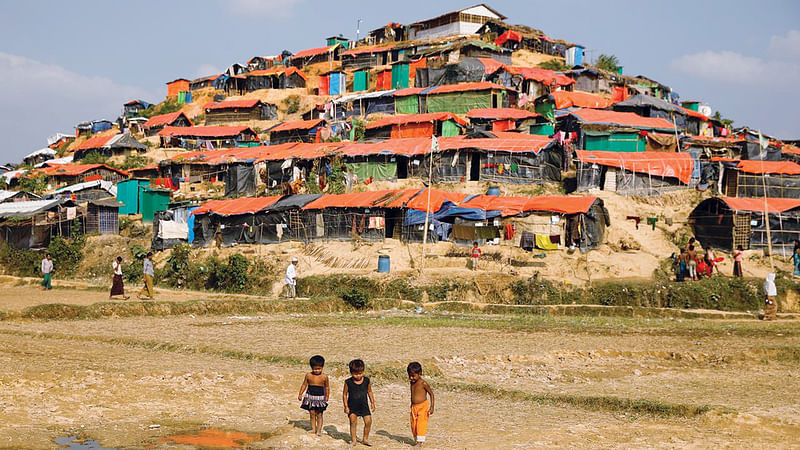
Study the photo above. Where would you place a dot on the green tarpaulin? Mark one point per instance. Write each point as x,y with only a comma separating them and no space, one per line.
459,102
450,128
614,141
400,76
408,104
376,170
361,81
543,129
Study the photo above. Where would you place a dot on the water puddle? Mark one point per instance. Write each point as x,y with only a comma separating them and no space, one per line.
213,438
75,443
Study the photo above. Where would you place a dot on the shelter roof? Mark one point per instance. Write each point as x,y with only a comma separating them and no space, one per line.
403,146
776,167
404,119
465,87
44,151
521,143
653,102
438,198
579,99
242,103
490,65
663,164
297,125
770,205
789,148
512,206
314,51
408,91
5,194
287,71
28,208
236,206
509,35
500,113
627,119
94,142
164,119
362,50
73,169
391,198
208,78
695,114
205,131
107,186
543,76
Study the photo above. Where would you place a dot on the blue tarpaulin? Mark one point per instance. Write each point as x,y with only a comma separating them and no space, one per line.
190,223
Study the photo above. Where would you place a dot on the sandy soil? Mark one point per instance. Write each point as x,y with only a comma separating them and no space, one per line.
112,379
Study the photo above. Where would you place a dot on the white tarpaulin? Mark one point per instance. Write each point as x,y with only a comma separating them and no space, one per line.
169,229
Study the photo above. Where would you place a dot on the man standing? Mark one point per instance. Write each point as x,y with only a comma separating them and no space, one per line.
47,272
148,273
291,280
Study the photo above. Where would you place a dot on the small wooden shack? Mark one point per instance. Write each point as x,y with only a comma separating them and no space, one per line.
239,111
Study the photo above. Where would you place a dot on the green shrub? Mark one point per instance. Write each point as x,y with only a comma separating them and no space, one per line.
36,184
94,157
441,290
539,292
402,289
356,297
133,271
292,103
21,263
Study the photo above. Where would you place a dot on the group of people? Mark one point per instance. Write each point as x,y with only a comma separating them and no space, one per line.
118,283
689,264
358,400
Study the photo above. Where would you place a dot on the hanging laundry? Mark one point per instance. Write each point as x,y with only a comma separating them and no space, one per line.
509,235
527,240
319,228
279,231
543,242
500,168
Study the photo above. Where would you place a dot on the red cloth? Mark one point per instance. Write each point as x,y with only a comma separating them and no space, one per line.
509,231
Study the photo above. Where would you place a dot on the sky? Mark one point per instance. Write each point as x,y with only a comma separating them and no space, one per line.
66,62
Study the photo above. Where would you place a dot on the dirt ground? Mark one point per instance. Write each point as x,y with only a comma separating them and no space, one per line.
500,381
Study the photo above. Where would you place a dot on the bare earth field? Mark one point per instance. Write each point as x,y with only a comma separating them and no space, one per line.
500,381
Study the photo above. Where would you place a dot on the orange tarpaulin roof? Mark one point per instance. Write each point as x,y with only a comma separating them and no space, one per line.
500,113
789,148
579,99
778,167
695,114
279,71
362,50
543,76
209,131
523,143
465,87
420,201
663,164
403,146
236,206
164,119
408,91
94,142
390,198
73,169
490,65
627,119
773,205
402,119
297,125
243,103
314,51
512,206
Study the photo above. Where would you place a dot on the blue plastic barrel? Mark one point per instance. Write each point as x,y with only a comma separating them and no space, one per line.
383,264
493,190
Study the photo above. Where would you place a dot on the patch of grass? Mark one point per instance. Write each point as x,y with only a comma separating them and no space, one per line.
593,403
782,353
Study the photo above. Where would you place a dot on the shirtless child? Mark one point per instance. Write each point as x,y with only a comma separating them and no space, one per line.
420,409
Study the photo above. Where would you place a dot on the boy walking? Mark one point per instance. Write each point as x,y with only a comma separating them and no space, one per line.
148,273
421,409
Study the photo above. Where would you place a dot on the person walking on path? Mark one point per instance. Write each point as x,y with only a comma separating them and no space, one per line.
148,274
290,280
770,298
117,285
47,272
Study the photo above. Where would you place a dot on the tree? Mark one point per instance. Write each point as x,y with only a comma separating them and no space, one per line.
718,117
608,62
553,64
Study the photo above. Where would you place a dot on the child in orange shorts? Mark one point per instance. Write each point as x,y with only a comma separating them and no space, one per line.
421,409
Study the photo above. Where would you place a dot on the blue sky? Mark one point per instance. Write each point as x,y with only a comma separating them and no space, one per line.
65,62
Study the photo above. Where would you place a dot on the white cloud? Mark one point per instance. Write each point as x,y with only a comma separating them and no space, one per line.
786,47
205,70
40,99
779,71
261,9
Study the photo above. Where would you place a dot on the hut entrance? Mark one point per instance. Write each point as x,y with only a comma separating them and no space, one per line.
741,230
731,178
402,167
475,167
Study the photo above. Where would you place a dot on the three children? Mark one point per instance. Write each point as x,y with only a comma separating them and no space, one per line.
358,400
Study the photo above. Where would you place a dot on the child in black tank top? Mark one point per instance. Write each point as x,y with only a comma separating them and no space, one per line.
357,399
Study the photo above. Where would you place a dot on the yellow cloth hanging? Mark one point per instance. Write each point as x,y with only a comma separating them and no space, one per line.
543,242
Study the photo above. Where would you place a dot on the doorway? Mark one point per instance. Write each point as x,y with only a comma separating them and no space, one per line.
475,167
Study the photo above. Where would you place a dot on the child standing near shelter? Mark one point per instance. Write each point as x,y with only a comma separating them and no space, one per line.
314,393
357,390
738,256
475,256
421,409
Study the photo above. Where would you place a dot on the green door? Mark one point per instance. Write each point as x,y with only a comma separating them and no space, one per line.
128,195
450,128
400,76
361,81
154,200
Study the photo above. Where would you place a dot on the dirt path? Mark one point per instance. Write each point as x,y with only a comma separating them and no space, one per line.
501,382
